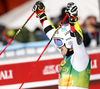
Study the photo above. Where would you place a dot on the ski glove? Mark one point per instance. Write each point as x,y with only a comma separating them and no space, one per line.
71,9
39,9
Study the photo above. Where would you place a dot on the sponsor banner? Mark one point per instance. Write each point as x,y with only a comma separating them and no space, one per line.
16,73
95,63
45,70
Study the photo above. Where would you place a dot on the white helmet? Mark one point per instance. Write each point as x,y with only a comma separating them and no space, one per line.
63,37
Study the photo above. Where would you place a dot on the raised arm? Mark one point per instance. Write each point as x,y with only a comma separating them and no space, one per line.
81,58
48,27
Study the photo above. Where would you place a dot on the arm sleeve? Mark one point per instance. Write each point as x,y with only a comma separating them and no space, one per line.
80,58
48,27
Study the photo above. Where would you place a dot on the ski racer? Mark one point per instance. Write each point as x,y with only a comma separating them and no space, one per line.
75,67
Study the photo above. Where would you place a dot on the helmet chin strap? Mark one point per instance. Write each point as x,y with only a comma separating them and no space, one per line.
69,52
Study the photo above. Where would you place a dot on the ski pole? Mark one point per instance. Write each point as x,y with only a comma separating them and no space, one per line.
17,33
44,50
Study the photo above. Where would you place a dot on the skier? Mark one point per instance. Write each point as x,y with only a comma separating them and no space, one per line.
75,67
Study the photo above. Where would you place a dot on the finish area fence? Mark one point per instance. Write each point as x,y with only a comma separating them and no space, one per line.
17,61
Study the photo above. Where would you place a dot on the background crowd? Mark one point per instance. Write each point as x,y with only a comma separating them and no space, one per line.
90,28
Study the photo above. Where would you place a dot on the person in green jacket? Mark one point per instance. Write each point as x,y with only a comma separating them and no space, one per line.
75,67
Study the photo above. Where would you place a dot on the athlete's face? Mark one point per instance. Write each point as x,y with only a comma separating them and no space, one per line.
63,49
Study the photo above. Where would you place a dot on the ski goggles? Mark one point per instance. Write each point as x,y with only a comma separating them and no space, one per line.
58,42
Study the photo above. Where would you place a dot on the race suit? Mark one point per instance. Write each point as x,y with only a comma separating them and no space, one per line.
74,70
